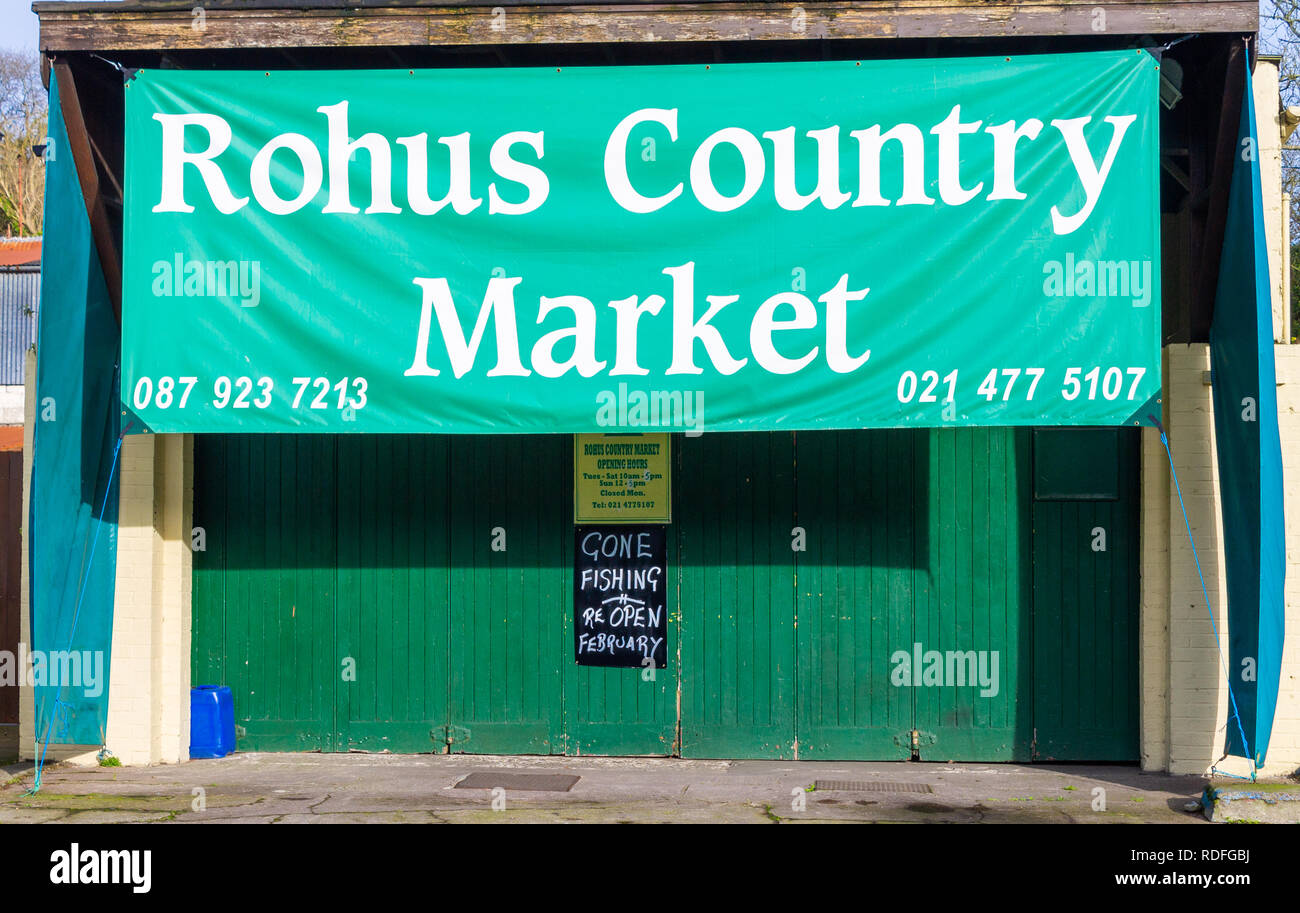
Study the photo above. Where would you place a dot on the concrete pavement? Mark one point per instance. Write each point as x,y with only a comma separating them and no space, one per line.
334,788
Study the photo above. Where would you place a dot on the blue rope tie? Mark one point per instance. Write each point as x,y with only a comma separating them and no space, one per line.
1232,698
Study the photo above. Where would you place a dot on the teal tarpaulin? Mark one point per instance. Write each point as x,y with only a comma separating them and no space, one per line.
1250,452
73,523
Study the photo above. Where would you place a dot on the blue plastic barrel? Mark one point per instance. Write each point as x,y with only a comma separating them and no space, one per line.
212,721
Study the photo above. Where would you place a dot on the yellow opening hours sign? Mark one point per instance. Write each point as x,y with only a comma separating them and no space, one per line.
622,478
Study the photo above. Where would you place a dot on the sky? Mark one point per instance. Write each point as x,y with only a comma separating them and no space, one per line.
18,25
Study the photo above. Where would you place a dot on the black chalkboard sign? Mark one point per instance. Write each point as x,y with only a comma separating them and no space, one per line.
620,578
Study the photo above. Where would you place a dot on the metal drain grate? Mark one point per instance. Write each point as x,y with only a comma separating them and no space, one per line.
870,786
538,783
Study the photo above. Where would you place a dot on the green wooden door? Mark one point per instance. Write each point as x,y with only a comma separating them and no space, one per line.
264,585
414,593
972,597
405,593
1085,582
912,585
510,518
856,586
392,612
733,506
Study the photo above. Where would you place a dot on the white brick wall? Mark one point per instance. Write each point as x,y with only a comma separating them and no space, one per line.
148,704
1184,692
1268,120
1153,624
1284,748
11,405
148,710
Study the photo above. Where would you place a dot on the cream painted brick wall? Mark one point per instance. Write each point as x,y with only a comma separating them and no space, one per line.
148,716
148,705
1197,698
1284,747
1268,117
1153,613
130,729
1185,697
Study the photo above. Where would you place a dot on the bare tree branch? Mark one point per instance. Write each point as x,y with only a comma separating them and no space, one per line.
23,119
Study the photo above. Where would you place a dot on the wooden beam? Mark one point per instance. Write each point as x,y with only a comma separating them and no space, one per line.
1201,313
112,27
101,229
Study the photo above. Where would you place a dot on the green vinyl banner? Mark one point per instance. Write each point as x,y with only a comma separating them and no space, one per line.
765,246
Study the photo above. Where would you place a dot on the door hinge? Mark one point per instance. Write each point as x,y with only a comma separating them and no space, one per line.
909,739
914,740
452,737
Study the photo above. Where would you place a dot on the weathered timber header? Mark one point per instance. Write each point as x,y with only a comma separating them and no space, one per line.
179,24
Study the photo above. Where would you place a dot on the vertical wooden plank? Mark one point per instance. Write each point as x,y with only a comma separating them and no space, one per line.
1003,621
285,551
461,533
443,477
1069,535
968,587
749,707
891,513
725,581
238,603
255,577
980,624
397,563
763,591
488,599
1085,604
385,560
732,707
524,507
393,561
501,700
425,617
495,610
859,558
870,656
845,606
345,620
255,610
321,657
209,573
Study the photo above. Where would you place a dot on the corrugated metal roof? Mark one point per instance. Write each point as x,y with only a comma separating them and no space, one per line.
20,294
20,251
